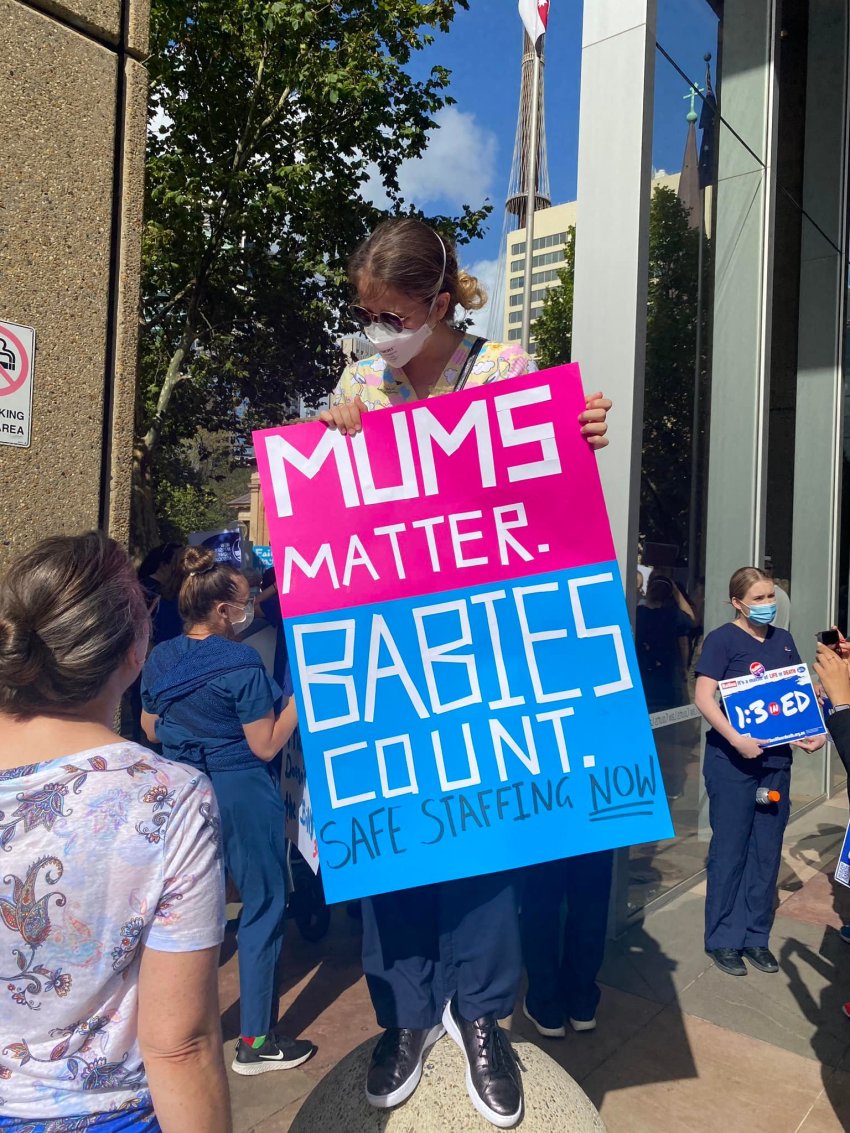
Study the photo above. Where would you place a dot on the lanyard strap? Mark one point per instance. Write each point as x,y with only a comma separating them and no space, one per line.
466,370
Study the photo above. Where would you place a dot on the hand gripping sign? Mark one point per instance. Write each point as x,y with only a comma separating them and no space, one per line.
466,682
774,706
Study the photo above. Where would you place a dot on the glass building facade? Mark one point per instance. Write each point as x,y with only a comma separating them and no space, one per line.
718,325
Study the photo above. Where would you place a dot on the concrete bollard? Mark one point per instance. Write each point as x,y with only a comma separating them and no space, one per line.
554,1102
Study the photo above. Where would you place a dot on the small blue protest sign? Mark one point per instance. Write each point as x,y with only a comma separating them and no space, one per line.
226,544
842,869
264,556
774,706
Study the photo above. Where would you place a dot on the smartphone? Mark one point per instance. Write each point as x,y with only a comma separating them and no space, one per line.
828,637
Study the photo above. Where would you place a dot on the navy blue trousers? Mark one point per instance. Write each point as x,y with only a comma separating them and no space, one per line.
745,850
254,844
422,945
562,970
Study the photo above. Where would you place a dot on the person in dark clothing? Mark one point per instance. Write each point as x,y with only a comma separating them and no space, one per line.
746,842
160,579
445,957
562,970
208,700
834,674
833,669
662,632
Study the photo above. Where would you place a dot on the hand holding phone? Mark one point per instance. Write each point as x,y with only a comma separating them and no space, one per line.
829,637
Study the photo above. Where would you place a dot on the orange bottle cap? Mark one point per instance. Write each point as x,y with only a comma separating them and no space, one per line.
774,796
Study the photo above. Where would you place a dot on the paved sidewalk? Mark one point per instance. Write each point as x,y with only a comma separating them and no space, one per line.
679,1046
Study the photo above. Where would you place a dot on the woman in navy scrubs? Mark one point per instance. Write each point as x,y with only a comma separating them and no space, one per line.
746,843
207,699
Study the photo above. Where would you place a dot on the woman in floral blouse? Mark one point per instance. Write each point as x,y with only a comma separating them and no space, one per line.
111,901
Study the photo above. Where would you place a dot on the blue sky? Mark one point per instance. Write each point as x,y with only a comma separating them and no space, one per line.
469,157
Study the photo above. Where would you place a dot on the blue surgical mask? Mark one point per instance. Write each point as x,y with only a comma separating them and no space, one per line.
762,615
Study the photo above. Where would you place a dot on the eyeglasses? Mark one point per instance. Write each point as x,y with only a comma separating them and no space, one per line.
392,322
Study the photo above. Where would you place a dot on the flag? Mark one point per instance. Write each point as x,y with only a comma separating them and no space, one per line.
535,15
707,154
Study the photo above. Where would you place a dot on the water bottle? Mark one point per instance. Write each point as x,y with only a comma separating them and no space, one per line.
764,796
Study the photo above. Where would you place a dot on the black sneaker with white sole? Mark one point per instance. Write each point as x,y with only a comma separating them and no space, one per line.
493,1080
276,1053
396,1064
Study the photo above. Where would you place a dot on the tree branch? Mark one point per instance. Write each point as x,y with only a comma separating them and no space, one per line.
173,376
181,294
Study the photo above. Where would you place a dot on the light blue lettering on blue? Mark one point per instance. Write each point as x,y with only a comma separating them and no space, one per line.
503,725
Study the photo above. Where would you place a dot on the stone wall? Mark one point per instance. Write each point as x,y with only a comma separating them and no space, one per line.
73,119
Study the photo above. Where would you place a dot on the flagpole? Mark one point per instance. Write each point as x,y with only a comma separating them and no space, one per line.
531,192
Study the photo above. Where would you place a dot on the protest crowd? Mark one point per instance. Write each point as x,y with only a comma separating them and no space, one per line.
130,1039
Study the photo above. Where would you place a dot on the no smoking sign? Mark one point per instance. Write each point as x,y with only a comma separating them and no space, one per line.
17,368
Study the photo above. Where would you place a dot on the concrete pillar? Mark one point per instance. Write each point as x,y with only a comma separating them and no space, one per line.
612,243
73,115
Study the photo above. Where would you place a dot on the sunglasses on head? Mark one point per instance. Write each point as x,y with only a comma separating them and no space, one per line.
392,322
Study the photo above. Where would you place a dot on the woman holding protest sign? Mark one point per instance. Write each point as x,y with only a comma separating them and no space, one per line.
444,956
746,843
209,702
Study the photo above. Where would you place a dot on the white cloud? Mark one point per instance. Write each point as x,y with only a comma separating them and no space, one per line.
487,274
457,168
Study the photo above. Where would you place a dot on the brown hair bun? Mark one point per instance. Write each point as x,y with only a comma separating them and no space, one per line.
70,610
197,560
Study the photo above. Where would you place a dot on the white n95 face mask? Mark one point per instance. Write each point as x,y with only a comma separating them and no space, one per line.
398,347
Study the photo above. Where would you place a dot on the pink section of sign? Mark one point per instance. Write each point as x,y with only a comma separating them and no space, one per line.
388,514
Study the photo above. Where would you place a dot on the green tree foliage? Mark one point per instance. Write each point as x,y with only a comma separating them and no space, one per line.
197,481
553,327
671,343
267,117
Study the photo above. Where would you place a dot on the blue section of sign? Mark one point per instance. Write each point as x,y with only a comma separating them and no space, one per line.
264,557
226,545
842,869
474,731
775,708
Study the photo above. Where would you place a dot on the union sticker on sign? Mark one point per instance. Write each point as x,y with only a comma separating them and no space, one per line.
17,369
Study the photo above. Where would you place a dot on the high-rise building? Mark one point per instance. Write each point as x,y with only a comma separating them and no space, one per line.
552,230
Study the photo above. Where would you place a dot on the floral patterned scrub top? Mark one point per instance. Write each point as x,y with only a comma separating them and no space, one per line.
379,385
100,852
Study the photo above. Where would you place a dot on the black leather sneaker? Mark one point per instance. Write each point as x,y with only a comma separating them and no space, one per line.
729,960
396,1064
492,1074
762,958
276,1053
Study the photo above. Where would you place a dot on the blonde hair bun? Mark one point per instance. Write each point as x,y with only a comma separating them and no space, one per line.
470,294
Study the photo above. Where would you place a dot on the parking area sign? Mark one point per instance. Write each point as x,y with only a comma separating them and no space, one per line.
17,370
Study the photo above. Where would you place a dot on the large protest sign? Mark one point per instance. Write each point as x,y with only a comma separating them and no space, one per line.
467,688
774,706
